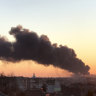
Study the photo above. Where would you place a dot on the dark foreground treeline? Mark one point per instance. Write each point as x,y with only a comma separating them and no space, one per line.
8,86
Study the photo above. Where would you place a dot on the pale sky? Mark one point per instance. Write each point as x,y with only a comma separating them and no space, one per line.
66,22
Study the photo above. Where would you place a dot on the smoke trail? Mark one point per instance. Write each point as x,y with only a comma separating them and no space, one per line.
29,46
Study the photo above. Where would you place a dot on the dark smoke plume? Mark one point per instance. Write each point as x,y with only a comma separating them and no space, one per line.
29,46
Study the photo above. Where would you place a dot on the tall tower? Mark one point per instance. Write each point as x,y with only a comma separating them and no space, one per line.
33,75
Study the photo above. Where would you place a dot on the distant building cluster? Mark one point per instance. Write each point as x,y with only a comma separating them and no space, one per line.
48,85
23,86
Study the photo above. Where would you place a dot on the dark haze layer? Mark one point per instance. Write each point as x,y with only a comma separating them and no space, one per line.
29,46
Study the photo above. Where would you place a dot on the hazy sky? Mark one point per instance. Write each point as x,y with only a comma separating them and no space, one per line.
66,22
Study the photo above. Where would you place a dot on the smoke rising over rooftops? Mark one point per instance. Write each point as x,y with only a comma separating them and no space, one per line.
29,46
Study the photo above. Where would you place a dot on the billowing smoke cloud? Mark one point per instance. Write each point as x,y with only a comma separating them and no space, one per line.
29,46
